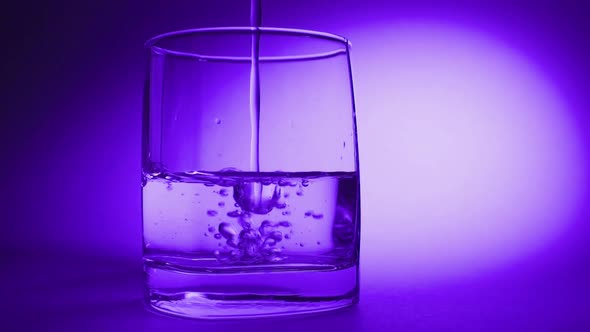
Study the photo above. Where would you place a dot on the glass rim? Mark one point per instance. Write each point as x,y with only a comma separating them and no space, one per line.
151,43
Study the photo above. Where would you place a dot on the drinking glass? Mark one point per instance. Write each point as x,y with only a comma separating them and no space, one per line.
222,238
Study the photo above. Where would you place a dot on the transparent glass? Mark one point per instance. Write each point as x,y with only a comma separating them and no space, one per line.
223,239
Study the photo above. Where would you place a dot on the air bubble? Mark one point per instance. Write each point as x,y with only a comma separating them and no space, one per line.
226,231
211,213
217,236
305,182
286,213
277,236
216,253
211,229
265,227
245,221
249,235
284,224
284,183
224,192
234,214
217,121
256,198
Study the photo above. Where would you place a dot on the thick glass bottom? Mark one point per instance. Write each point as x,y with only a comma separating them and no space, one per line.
242,292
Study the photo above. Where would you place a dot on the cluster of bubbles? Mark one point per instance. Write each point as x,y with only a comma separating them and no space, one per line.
241,241
255,243
251,244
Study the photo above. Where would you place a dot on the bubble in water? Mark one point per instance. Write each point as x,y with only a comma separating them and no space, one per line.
216,253
211,213
284,183
217,236
250,250
256,198
221,204
249,234
286,213
284,223
226,231
276,235
308,213
305,182
211,229
234,214
217,121
244,221
317,215
265,227
224,192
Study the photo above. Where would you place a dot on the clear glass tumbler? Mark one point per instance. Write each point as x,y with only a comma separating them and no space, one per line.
221,238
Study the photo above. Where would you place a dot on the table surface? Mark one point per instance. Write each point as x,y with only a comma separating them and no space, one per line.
67,293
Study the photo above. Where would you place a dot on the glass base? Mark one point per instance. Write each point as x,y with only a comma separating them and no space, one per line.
245,293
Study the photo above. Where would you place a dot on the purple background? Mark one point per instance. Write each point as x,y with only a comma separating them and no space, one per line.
474,137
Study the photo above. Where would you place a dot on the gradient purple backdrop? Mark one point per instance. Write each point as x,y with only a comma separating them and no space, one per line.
474,139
